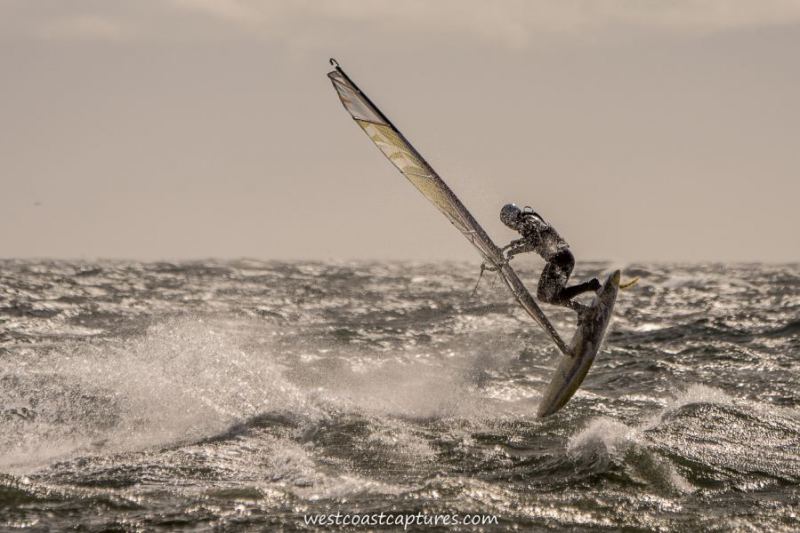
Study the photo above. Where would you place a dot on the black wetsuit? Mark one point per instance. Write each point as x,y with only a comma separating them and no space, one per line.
540,237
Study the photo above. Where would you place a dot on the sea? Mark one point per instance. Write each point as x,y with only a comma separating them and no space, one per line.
297,396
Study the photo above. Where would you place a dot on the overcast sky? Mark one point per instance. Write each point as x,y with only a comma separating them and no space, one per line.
207,128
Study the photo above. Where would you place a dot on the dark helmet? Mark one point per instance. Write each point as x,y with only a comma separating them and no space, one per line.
509,215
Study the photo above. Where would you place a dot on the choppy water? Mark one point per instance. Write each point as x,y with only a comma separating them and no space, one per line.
239,395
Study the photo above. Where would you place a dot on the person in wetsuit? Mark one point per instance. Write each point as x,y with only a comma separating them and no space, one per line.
540,237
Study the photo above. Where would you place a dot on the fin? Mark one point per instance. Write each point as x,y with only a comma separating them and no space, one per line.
629,283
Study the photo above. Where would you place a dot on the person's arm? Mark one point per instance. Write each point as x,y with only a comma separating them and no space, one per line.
512,244
519,246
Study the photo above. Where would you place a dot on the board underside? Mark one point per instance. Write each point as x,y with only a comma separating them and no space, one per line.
585,344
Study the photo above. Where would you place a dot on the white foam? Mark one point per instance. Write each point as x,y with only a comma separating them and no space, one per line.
611,439
695,393
189,378
184,379
603,435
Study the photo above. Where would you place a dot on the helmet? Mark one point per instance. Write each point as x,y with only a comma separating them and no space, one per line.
509,215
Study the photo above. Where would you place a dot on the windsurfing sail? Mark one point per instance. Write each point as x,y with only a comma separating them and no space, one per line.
414,167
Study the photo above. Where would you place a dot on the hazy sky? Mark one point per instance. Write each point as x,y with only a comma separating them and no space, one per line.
207,128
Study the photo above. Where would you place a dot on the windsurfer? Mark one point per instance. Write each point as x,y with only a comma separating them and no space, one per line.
540,237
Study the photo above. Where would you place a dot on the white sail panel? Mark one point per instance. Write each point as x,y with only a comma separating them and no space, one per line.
358,107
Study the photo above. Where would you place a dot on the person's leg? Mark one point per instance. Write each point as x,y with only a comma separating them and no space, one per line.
569,293
549,285
554,278
552,284
565,294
